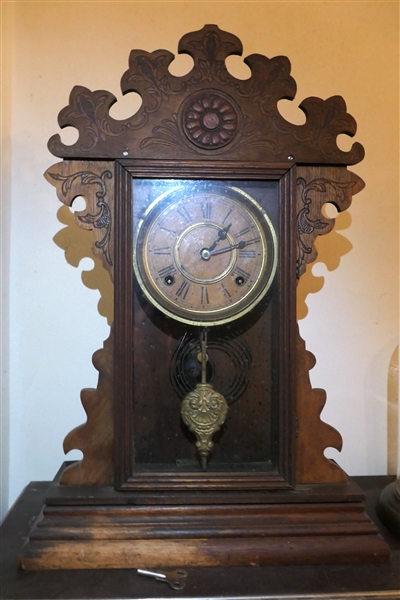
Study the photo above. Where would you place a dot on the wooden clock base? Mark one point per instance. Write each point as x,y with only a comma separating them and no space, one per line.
80,528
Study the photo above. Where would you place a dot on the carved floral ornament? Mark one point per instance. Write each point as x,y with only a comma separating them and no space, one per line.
209,119
217,112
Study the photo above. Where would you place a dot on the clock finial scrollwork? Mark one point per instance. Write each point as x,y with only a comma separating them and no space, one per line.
312,193
94,181
153,129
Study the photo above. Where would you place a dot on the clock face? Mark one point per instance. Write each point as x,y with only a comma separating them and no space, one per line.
204,253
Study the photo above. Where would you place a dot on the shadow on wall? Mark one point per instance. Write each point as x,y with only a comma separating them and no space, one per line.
77,244
330,248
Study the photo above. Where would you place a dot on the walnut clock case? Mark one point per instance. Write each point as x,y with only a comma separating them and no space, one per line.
203,444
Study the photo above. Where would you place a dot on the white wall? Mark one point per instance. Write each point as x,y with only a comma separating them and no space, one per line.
345,48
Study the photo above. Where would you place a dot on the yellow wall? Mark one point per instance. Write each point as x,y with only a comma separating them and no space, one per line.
345,48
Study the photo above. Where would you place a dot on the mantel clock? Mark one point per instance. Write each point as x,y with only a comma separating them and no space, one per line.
203,444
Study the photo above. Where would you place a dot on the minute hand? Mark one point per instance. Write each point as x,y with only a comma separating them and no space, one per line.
240,245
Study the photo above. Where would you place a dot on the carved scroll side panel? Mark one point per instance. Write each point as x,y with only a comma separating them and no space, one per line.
313,435
316,186
95,438
95,182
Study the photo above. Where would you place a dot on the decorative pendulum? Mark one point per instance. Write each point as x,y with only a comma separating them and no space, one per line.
203,409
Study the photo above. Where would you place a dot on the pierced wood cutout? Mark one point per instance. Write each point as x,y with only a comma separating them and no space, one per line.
316,186
313,434
95,182
208,111
95,438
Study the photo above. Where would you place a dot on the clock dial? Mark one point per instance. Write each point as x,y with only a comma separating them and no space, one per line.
205,254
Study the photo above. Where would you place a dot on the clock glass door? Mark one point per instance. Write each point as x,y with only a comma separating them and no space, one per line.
205,261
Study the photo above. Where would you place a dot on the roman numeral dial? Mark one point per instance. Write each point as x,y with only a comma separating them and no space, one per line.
204,252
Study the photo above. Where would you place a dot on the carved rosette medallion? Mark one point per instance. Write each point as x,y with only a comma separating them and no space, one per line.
210,119
204,411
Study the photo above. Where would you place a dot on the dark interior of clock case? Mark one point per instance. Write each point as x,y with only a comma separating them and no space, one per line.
242,366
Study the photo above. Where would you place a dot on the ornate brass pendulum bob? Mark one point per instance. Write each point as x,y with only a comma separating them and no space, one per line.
203,409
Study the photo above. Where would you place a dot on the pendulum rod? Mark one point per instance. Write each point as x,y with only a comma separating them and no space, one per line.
203,409
204,357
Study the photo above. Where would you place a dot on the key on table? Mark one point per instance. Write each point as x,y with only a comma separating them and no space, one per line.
176,579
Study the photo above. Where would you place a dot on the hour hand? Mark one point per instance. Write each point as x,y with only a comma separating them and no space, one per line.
221,236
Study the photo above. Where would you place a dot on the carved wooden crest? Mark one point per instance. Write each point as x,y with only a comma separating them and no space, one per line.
208,112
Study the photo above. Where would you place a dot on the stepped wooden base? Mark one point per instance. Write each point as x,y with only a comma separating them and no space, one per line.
200,553
128,535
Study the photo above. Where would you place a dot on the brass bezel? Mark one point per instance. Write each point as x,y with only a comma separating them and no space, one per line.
183,314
